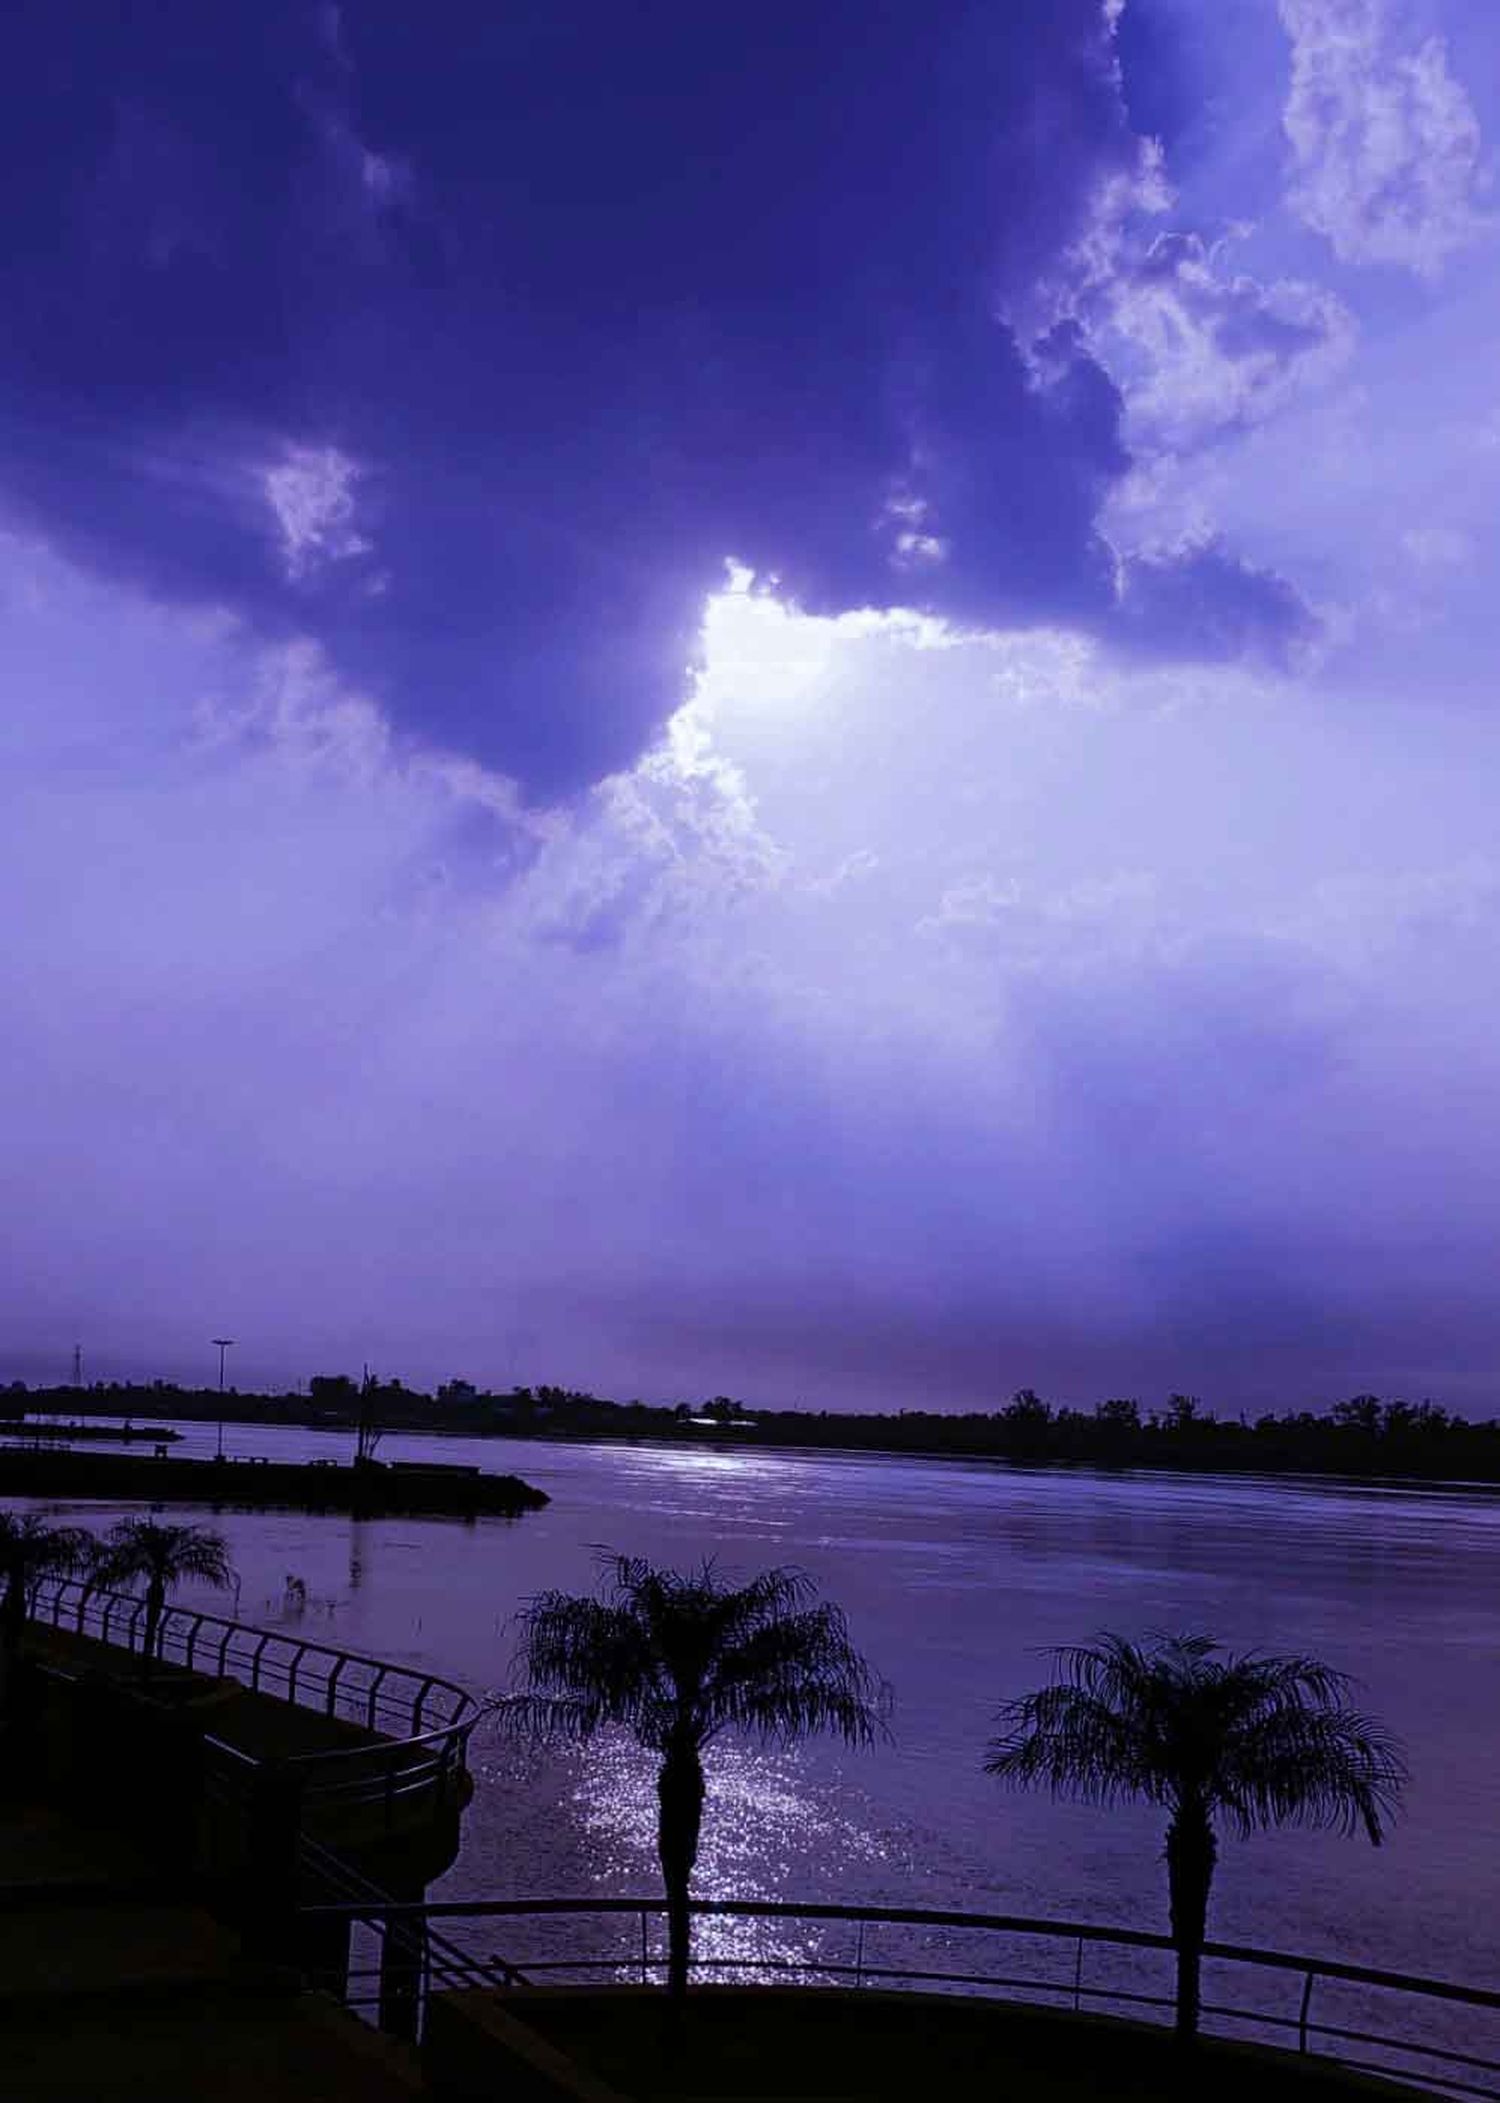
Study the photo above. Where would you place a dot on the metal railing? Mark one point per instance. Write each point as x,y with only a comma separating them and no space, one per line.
394,1698
1335,2010
423,1721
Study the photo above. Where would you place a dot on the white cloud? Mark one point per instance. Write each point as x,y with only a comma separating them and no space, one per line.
1438,547
1372,917
311,494
1387,160
1199,350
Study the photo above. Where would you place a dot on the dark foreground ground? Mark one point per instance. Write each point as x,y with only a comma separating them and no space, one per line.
900,2048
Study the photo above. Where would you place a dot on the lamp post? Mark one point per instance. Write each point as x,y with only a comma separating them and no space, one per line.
221,1344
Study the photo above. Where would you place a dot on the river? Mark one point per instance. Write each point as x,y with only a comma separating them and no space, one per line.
956,1578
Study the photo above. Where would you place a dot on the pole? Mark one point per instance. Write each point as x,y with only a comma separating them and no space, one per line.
221,1345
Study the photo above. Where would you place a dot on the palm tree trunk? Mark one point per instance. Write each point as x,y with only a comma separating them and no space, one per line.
156,1599
679,1788
1191,1854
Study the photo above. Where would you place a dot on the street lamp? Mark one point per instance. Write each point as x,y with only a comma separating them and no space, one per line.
221,1344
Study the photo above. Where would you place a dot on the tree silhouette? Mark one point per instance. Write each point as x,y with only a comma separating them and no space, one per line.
142,1551
676,1658
1256,1741
29,1550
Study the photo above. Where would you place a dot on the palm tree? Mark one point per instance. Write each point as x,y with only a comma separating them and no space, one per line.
675,1658
143,1550
1258,1741
29,1550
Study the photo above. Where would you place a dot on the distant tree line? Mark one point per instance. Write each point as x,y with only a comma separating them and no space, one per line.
1365,1435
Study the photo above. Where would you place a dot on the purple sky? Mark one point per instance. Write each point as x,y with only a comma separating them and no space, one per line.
797,705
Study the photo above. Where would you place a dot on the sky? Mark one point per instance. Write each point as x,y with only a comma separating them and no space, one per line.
793,702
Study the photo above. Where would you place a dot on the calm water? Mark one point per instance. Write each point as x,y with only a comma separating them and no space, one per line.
955,1578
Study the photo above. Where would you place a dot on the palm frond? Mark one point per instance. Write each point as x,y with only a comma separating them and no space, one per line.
1266,1740
788,1675
677,1656
1307,1766
581,1663
1073,1741
35,1549
136,1549
547,1718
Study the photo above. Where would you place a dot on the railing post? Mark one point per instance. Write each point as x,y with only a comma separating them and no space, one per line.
1307,1987
1078,1977
374,1692
644,1946
403,1974
859,1956
255,1662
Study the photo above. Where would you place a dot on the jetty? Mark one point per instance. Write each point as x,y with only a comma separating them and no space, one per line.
367,1488
74,1434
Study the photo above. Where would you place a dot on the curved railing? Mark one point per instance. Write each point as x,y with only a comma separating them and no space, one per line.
395,1698
423,1719
1341,2011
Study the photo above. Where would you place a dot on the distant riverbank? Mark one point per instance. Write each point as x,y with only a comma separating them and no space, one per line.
1364,1438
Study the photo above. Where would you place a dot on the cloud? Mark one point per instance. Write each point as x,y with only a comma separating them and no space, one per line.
1387,159
311,493
1438,547
1198,350
581,350
1202,352
922,1014
1200,601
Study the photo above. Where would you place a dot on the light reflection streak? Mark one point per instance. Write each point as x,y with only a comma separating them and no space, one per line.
768,1832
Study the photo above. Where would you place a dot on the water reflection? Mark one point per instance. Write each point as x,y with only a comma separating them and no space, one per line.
359,1548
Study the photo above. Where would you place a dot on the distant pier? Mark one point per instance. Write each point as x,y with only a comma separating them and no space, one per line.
109,1434
371,1489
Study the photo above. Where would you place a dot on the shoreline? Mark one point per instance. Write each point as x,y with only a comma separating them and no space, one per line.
1157,1469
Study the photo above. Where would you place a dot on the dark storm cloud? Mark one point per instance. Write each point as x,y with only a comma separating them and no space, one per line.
1203,602
577,301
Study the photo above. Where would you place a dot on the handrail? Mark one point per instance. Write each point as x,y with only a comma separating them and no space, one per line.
1445,2062
444,1700
427,1719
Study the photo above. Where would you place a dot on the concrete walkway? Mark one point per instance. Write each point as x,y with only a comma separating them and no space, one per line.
114,1986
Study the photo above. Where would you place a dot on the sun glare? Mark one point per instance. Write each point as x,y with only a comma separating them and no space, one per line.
757,650
761,652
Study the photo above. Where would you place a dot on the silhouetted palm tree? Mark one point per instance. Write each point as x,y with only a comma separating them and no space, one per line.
143,1551
29,1550
676,1658
1257,1741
